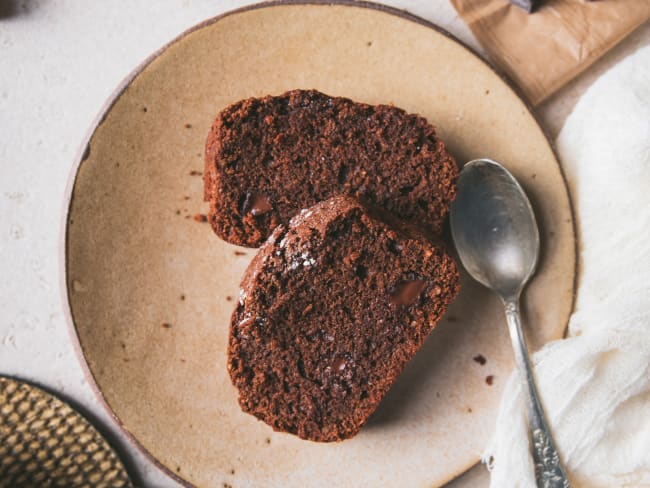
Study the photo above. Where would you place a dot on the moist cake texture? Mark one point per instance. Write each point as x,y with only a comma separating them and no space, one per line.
331,309
267,158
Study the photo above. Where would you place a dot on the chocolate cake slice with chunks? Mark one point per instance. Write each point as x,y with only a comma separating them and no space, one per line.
267,158
330,311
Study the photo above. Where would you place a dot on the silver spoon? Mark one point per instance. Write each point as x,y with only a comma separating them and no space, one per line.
497,239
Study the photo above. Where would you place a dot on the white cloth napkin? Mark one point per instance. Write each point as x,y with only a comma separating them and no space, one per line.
595,384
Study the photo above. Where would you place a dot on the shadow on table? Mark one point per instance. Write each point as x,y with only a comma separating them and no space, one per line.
15,8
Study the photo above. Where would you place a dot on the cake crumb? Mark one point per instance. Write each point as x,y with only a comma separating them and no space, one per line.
229,298
369,43
166,325
489,379
268,440
200,218
469,409
240,253
144,109
182,298
123,345
479,358
188,126
232,471
196,173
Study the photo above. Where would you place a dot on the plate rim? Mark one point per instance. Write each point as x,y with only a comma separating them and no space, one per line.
84,151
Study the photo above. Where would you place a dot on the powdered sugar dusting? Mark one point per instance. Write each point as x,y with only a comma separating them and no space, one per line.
304,259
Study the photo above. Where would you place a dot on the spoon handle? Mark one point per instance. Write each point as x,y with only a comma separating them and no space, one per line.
548,469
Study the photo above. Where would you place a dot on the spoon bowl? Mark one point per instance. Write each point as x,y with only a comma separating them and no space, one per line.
497,236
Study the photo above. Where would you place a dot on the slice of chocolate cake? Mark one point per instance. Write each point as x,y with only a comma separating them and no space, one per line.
266,158
330,311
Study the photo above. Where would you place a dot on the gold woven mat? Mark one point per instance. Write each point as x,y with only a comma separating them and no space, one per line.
44,442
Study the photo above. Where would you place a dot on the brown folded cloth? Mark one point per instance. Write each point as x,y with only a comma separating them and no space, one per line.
544,50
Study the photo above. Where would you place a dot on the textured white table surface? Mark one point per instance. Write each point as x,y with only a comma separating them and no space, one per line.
59,61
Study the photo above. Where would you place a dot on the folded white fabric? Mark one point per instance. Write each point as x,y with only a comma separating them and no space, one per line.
595,384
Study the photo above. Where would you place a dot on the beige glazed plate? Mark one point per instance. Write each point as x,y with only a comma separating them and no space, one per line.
151,288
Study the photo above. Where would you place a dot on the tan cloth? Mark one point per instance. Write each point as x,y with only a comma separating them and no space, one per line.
544,50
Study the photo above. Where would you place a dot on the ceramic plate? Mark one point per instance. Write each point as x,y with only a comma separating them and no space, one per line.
151,288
